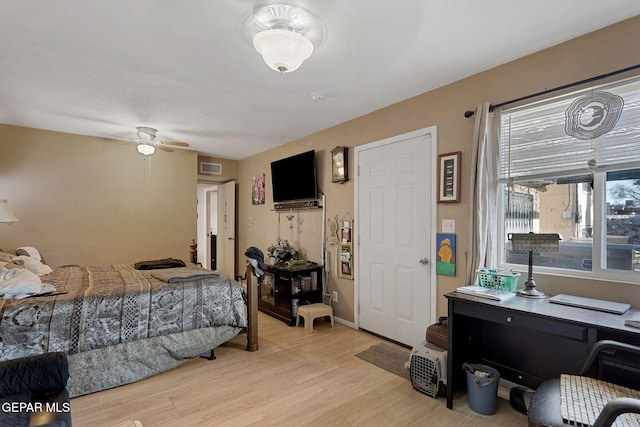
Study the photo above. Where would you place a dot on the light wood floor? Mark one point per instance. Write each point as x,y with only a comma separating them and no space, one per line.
295,379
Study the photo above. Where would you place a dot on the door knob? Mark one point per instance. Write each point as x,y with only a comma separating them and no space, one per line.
424,261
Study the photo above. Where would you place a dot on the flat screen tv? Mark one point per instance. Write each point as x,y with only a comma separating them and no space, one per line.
294,178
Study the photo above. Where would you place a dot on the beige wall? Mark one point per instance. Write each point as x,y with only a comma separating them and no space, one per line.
229,169
598,53
93,201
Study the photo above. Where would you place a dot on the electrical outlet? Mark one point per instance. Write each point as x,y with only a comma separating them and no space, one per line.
334,296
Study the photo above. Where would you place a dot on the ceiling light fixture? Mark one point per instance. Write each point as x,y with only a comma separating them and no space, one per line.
284,35
146,133
146,149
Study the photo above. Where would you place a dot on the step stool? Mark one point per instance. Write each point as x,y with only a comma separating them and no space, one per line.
310,312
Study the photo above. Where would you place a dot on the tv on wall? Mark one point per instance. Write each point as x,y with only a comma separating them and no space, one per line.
294,178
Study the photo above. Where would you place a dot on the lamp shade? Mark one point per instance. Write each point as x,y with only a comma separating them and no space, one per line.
5,213
146,149
282,50
537,242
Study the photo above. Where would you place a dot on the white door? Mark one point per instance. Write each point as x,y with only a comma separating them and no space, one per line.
211,227
207,221
226,240
395,226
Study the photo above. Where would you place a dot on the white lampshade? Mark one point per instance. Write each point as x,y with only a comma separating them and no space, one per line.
282,50
5,213
146,149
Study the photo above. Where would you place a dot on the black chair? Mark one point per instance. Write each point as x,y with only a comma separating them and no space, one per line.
544,409
33,391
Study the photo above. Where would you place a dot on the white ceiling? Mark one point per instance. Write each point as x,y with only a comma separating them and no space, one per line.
101,68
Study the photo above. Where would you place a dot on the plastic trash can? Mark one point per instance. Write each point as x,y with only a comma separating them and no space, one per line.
482,387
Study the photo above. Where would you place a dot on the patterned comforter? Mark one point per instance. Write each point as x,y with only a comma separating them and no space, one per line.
108,305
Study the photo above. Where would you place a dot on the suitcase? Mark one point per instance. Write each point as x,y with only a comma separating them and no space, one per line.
437,333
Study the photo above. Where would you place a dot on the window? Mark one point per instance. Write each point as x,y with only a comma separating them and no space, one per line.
571,165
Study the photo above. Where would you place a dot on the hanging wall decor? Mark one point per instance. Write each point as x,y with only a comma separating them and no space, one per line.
449,177
446,254
593,115
345,268
339,165
257,189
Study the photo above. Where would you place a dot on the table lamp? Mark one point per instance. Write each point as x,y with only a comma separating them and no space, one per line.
532,242
5,213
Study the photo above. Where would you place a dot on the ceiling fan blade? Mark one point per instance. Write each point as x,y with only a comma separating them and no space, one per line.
175,143
166,149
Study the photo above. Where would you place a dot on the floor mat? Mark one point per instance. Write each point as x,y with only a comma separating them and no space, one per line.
389,358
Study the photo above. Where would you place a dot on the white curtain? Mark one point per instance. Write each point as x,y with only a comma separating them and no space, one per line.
483,213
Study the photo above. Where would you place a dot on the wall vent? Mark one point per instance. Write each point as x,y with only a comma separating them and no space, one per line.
211,168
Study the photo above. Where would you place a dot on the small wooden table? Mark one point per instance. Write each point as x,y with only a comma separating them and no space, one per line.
282,289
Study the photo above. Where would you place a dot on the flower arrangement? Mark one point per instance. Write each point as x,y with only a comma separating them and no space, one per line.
281,251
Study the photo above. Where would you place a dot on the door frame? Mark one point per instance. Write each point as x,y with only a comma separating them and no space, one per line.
433,132
207,193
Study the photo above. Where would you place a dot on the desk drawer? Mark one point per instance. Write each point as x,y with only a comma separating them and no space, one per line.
517,376
520,320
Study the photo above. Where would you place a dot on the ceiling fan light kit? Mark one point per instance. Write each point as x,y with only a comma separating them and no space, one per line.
147,142
284,35
146,133
146,149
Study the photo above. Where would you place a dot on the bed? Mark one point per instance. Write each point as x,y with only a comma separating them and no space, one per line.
119,324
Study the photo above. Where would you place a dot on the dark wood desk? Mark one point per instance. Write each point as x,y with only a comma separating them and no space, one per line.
531,340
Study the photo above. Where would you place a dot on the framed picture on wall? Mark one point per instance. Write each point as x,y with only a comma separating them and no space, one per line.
345,256
257,189
446,254
449,177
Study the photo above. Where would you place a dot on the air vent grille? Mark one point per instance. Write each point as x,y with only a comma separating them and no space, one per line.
211,168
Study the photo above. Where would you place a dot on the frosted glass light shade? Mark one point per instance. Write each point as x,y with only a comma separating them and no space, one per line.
5,213
282,50
146,149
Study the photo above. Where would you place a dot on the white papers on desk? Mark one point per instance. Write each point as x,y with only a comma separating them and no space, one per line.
483,292
633,320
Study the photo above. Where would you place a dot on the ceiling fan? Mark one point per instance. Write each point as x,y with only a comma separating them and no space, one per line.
147,141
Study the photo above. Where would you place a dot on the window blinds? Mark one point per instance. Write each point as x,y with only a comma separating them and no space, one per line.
534,143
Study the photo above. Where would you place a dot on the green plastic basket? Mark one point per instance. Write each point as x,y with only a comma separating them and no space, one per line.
490,279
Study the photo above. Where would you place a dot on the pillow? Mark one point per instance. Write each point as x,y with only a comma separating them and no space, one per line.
5,257
29,251
32,264
10,265
19,283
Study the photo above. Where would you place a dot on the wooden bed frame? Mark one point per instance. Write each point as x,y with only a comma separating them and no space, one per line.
252,308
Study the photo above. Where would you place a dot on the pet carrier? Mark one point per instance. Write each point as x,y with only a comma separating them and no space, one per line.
428,369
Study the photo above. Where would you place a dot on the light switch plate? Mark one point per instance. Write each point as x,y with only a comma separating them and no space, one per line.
448,225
